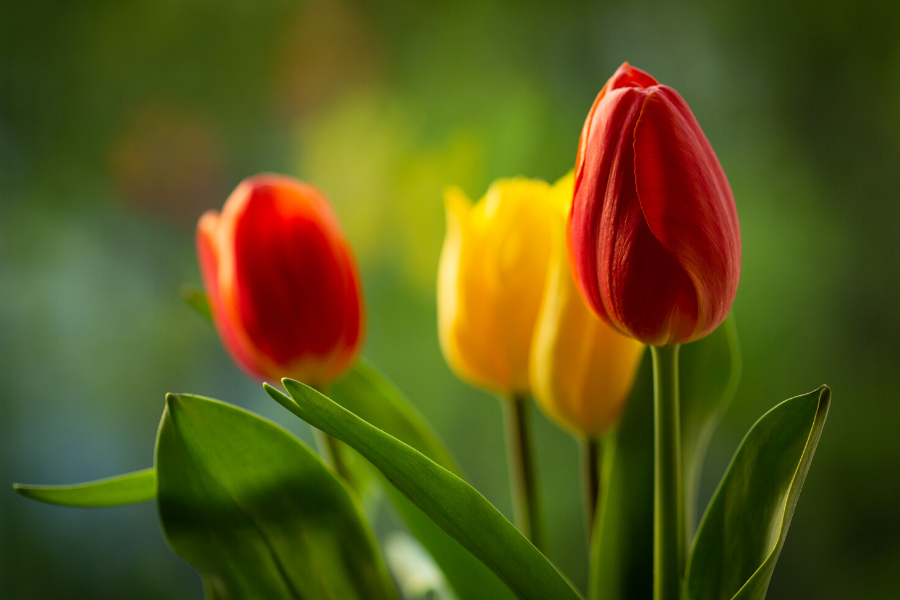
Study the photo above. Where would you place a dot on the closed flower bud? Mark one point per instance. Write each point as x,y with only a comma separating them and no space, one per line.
491,281
582,370
282,281
656,245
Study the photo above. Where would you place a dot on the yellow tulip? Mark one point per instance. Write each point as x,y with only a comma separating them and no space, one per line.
491,281
582,370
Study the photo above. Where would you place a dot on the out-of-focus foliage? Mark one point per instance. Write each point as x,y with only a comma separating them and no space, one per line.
121,122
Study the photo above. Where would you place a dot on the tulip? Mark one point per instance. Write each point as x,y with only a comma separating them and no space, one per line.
282,281
582,370
491,281
655,241
490,284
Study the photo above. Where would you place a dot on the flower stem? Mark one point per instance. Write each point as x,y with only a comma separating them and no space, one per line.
591,454
526,501
668,501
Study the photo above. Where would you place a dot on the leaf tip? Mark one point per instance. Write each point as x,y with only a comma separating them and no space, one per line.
173,402
24,490
277,395
824,398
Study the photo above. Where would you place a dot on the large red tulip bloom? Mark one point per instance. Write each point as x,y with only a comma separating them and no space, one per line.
655,240
282,281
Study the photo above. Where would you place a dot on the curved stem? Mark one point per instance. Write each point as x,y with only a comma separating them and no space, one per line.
526,500
668,501
591,450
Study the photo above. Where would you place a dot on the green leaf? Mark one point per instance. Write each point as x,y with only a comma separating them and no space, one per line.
743,530
198,300
710,370
622,544
256,512
450,502
131,488
367,393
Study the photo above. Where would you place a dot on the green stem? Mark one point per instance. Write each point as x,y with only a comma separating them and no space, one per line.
591,450
668,500
330,449
526,501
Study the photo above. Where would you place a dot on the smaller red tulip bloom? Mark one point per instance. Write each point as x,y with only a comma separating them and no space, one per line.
655,240
282,281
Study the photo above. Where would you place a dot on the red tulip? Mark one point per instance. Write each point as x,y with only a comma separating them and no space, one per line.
655,240
282,281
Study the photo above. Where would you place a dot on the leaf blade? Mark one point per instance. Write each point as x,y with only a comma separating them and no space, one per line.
131,488
744,528
450,502
256,512
622,541
710,372
367,393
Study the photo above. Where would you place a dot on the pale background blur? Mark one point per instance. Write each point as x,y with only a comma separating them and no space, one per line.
120,122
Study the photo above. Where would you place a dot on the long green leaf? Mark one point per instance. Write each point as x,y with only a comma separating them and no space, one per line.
709,374
131,488
452,503
365,392
256,512
743,530
622,545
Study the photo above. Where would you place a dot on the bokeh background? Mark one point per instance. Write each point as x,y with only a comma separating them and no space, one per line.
120,122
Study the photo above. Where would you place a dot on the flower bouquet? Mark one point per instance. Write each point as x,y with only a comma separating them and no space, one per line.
551,292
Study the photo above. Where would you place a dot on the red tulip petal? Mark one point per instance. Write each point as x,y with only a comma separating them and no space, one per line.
651,297
625,76
608,135
628,76
209,259
687,202
298,296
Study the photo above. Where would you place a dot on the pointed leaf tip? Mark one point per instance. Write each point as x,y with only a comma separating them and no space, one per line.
130,488
744,528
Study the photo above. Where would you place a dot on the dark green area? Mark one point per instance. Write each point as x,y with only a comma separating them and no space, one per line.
121,122
256,512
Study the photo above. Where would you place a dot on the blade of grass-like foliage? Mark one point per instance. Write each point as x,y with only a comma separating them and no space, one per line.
130,488
450,502
622,544
709,373
743,530
365,392
197,299
256,512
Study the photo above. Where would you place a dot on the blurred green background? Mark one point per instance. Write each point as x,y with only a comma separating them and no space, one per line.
120,122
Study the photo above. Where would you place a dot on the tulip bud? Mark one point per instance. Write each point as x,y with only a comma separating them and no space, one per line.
491,280
656,245
282,281
582,370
